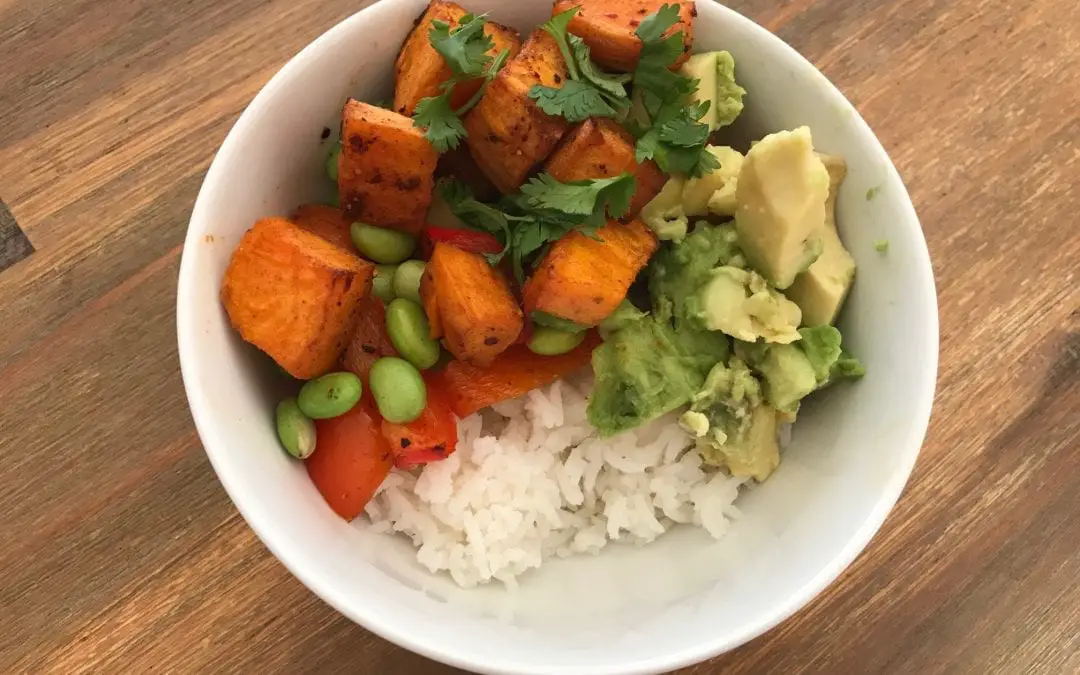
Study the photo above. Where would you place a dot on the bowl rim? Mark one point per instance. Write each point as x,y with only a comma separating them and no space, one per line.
187,342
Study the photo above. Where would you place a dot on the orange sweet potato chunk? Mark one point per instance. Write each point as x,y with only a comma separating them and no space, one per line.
420,70
509,136
386,172
478,314
584,279
326,221
294,295
430,301
608,27
602,148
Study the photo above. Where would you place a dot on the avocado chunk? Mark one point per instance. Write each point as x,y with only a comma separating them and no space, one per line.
676,272
715,72
740,304
781,193
716,188
820,291
647,369
789,376
742,429
821,345
664,214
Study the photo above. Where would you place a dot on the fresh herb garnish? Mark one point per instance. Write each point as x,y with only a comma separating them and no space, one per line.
544,211
590,92
465,50
673,134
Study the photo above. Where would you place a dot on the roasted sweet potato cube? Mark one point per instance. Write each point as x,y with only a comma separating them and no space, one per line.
326,221
508,135
477,312
430,300
294,295
602,148
420,70
386,172
584,279
369,340
609,28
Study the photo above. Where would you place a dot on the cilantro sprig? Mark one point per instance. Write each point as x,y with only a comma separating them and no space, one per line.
672,134
590,92
465,50
543,212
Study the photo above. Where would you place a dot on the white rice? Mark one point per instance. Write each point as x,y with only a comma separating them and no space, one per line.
530,480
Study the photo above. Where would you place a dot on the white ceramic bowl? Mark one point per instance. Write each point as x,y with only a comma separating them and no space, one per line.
629,610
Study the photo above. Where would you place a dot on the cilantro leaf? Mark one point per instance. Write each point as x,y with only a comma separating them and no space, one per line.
591,200
653,27
576,101
590,92
558,27
674,137
478,216
611,84
464,48
685,131
443,128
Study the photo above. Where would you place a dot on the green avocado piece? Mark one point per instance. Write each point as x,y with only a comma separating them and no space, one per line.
664,214
742,429
821,345
820,291
715,72
626,313
781,192
542,318
676,272
647,369
715,191
739,303
789,376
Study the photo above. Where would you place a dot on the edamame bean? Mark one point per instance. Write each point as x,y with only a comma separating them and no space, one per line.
552,341
332,162
381,244
399,391
382,285
295,430
407,279
330,395
410,333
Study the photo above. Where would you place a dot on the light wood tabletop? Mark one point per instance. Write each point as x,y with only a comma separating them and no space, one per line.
120,550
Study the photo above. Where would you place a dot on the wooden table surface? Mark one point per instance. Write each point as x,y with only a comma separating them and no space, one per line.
121,552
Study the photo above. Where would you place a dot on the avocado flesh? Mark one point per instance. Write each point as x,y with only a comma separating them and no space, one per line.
781,193
820,291
715,72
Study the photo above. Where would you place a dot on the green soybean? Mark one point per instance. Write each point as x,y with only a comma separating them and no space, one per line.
410,332
381,244
552,341
330,395
399,390
332,162
382,285
542,318
295,430
407,279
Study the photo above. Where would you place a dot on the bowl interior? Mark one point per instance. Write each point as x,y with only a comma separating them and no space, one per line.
683,598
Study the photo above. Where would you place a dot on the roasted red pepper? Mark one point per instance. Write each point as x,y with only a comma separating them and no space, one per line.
467,240
429,438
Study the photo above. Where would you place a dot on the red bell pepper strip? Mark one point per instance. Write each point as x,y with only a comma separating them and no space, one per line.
467,240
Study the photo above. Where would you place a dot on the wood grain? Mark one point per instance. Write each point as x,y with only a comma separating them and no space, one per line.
122,553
